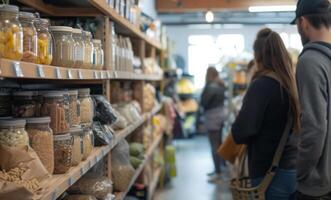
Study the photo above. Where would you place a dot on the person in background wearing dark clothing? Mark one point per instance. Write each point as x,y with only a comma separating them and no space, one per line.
212,102
264,115
313,18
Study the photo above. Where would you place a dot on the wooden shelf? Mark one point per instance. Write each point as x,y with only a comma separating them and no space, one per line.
154,182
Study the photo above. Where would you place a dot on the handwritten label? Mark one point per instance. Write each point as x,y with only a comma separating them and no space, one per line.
17,69
40,71
58,73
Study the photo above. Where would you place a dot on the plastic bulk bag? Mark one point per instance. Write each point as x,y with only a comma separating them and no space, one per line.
104,112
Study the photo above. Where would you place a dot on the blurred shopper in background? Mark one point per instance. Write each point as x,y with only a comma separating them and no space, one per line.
313,18
262,119
212,102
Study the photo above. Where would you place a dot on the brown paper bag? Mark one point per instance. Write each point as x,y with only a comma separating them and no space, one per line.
230,151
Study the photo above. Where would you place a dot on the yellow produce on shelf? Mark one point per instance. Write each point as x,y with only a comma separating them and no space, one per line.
11,42
185,86
43,45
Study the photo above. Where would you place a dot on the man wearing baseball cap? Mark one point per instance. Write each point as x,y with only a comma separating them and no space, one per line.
313,19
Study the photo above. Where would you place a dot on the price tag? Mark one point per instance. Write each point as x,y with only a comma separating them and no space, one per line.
40,71
103,76
70,181
54,194
80,74
17,69
108,75
58,73
69,74
89,164
81,171
103,152
115,75
96,75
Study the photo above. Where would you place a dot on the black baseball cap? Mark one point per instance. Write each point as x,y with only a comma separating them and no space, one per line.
310,7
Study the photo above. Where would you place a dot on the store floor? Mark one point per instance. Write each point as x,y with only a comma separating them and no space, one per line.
193,163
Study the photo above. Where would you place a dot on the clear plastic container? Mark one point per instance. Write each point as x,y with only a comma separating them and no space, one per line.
88,140
63,46
55,107
30,37
41,140
79,48
98,55
11,33
78,146
74,108
13,134
86,106
88,56
45,42
25,104
62,153
5,104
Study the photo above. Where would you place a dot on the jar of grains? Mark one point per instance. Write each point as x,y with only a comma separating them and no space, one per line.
88,56
77,147
41,140
45,42
98,56
86,106
11,33
5,104
88,140
63,46
74,108
79,48
13,134
55,107
30,37
62,153
25,104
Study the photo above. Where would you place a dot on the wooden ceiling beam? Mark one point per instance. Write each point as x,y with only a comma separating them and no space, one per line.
180,6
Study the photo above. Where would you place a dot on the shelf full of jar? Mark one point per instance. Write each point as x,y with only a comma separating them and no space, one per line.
25,70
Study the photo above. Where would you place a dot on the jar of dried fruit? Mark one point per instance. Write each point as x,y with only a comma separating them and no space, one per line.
86,106
45,42
25,104
62,153
88,59
11,33
78,146
79,48
41,140
30,37
98,56
13,134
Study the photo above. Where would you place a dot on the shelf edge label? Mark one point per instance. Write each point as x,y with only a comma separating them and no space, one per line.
40,71
58,73
69,74
17,69
80,74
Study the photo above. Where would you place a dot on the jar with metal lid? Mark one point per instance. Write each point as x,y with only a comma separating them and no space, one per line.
45,42
24,104
41,140
63,46
62,153
88,56
30,37
86,106
77,147
5,104
88,140
13,134
55,107
11,33
98,55
74,108
79,49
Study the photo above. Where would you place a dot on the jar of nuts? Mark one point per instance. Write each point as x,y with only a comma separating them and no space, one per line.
78,146
41,140
11,33
86,106
45,42
13,134
62,153
24,104
74,108
30,37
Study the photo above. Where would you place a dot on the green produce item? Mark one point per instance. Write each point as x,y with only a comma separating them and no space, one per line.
136,149
135,162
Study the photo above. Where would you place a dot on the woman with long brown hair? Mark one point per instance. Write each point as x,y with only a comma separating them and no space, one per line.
272,95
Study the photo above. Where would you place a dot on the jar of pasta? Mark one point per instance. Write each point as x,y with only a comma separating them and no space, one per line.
45,42
79,48
11,33
13,134
98,55
5,104
77,147
25,104
63,46
62,153
41,140
88,57
88,140
30,37
86,106
74,108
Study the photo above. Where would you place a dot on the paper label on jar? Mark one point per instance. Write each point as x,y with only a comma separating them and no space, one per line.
79,54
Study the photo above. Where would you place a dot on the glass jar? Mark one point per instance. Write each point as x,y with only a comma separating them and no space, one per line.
41,140
11,33
88,140
77,147
45,42
62,153
86,106
88,56
74,108
13,134
30,37
54,106
63,46
79,48
24,104
98,55
5,104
